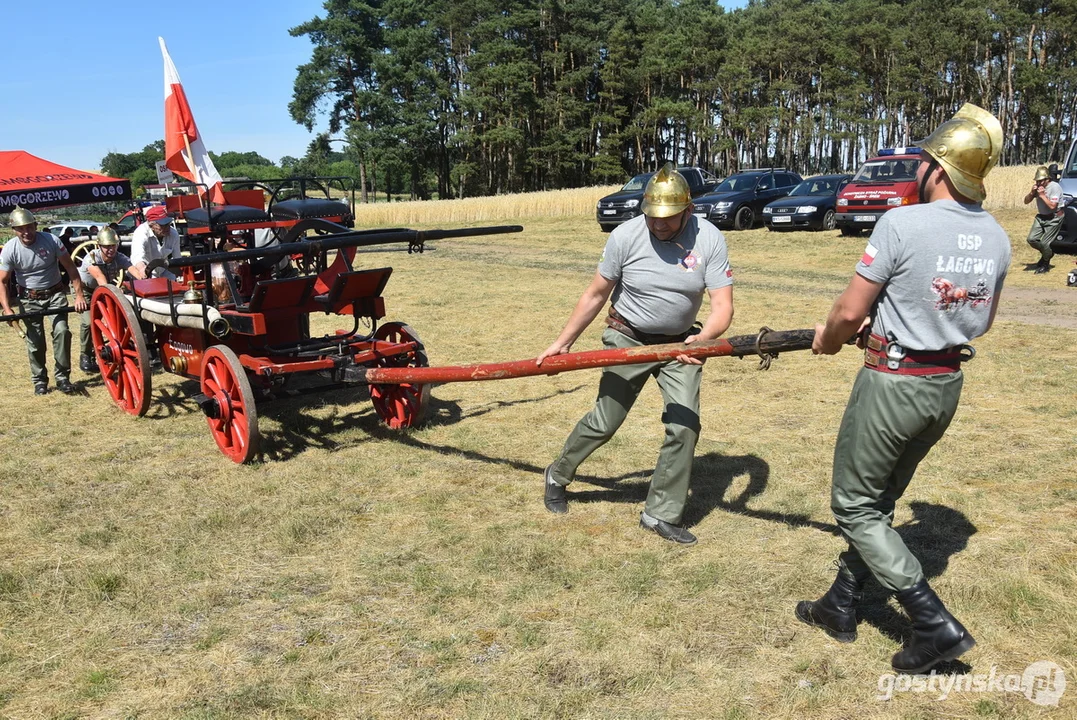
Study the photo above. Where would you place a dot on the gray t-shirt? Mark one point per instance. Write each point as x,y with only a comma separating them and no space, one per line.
942,265
1053,191
36,267
660,285
111,270
267,237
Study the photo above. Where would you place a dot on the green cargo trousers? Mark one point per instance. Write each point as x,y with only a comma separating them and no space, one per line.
1042,234
85,337
617,391
890,424
35,339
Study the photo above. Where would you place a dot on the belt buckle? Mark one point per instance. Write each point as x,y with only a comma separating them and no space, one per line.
894,355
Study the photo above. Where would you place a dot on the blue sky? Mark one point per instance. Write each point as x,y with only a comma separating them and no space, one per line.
82,79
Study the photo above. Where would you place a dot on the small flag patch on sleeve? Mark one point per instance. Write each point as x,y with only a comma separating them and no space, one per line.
729,272
869,254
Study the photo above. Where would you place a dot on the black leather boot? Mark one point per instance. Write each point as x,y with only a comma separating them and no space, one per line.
937,635
834,612
554,496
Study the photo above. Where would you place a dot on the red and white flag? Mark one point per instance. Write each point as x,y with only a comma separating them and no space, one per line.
185,153
869,254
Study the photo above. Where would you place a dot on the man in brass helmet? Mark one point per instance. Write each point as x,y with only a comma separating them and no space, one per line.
928,283
101,266
657,267
1045,228
36,260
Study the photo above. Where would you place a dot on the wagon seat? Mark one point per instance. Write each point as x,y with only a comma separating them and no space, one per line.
296,209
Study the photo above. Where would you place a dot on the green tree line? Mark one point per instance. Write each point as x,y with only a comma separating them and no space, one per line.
473,97
140,167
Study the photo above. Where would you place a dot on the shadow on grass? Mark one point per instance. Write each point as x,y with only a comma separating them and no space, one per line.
713,474
300,430
173,401
934,535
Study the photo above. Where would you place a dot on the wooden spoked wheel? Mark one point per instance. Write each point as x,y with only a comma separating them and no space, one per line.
121,350
230,412
404,405
80,252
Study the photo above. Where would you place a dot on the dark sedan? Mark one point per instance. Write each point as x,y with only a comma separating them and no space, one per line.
737,202
810,206
624,204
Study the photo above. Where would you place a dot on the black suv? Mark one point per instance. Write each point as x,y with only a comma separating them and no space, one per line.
737,202
623,205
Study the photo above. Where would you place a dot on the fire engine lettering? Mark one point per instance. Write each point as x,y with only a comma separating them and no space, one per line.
871,194
969,242
182,348
980,266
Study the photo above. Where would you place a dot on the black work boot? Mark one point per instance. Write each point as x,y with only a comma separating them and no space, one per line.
834,611
87,363
937,635
668,531
554,497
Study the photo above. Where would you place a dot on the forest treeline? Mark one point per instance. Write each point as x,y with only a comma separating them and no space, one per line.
475,97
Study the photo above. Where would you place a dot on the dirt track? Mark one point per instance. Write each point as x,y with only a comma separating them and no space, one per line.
1041,306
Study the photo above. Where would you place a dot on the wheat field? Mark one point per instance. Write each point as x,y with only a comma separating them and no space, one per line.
1007,187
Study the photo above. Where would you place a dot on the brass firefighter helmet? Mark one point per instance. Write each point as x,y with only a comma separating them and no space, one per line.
20,216
107,237
666,193
1041,174
967,146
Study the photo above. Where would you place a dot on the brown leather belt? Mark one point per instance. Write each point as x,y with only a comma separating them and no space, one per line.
617,322
32,294
910,362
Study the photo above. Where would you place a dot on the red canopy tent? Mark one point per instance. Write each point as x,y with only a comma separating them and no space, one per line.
30,182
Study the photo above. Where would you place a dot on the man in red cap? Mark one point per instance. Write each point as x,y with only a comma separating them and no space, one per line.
155,239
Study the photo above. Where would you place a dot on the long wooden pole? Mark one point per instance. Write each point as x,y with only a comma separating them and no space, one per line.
766,343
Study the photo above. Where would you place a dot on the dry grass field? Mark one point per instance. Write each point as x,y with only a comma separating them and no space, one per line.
357,572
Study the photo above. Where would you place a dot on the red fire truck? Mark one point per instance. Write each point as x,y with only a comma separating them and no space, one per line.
886,181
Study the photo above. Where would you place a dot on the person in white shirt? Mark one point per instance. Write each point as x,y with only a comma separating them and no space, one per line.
155,239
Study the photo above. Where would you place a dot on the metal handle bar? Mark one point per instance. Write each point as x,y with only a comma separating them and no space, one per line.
340,240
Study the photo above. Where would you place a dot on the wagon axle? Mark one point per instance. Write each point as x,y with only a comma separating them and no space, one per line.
106,355
209,406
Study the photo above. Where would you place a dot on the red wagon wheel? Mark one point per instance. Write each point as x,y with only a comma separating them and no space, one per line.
231,415
121,350
405,405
